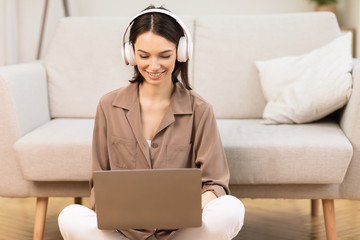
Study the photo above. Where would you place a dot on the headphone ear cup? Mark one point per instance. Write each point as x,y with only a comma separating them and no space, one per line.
182,50
129,54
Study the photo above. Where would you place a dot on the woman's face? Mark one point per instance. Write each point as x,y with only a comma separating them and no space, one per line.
155,57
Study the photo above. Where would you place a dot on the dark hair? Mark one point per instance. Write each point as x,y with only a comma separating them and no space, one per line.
167,27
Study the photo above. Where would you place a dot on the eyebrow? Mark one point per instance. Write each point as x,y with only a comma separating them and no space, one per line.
163,52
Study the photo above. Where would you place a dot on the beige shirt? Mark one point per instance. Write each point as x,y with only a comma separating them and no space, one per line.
187,138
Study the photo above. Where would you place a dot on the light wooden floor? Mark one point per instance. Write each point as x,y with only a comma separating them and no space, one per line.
266,219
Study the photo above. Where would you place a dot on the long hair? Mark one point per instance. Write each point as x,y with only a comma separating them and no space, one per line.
167,27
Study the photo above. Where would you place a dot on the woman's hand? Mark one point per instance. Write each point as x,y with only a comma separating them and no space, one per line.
206,197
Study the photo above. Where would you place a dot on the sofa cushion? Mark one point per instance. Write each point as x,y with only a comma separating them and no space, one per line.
60,150
316,153
306,88
226,48
84,62
257,154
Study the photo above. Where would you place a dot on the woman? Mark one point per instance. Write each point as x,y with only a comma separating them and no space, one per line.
157,121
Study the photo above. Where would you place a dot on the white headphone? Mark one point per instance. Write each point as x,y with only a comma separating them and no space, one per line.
185,45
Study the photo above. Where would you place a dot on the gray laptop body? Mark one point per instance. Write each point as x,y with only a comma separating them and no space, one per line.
148,199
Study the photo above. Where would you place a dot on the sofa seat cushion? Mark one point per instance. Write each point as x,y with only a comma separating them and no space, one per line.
316,153
60,150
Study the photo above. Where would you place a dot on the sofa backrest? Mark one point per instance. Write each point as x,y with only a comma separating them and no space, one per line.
84,61
226,48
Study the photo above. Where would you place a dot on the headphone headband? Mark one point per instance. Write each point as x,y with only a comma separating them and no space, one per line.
178,20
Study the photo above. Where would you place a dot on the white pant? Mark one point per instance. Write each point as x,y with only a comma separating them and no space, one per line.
222,219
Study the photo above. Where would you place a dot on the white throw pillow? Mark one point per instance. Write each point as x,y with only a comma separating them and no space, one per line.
305,88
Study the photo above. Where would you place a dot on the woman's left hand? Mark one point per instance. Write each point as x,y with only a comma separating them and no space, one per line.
206,197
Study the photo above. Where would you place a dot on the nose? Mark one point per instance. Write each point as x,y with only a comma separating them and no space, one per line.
154,64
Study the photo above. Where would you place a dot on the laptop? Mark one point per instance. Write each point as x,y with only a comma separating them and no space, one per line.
148,199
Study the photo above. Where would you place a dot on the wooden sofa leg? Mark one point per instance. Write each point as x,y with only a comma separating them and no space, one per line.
315,207
40,217
78,200
329,218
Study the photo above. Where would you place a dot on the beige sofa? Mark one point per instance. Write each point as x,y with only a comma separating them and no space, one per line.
47,110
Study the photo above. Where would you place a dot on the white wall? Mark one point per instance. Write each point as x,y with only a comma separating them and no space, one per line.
2,33
193,7
348,16
29,15
9,33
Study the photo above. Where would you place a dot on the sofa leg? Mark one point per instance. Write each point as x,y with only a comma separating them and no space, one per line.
78,200
40,217
329,218
315,207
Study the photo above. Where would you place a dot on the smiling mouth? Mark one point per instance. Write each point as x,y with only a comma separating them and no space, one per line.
155,75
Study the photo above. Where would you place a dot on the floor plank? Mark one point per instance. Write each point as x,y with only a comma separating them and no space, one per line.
266,219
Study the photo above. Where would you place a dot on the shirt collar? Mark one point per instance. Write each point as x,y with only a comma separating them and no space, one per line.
180,100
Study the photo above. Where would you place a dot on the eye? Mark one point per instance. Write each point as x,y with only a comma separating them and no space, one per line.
143,56
167,56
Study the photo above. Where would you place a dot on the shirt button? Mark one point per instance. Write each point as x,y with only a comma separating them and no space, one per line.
154,145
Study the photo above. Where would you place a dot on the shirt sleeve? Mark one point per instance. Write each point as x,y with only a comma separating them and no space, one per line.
209,152
100,158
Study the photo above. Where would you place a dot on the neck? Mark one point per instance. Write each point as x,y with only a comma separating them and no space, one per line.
156,92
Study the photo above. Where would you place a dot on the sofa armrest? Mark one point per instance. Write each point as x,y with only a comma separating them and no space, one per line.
350,116
24,89
24,106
